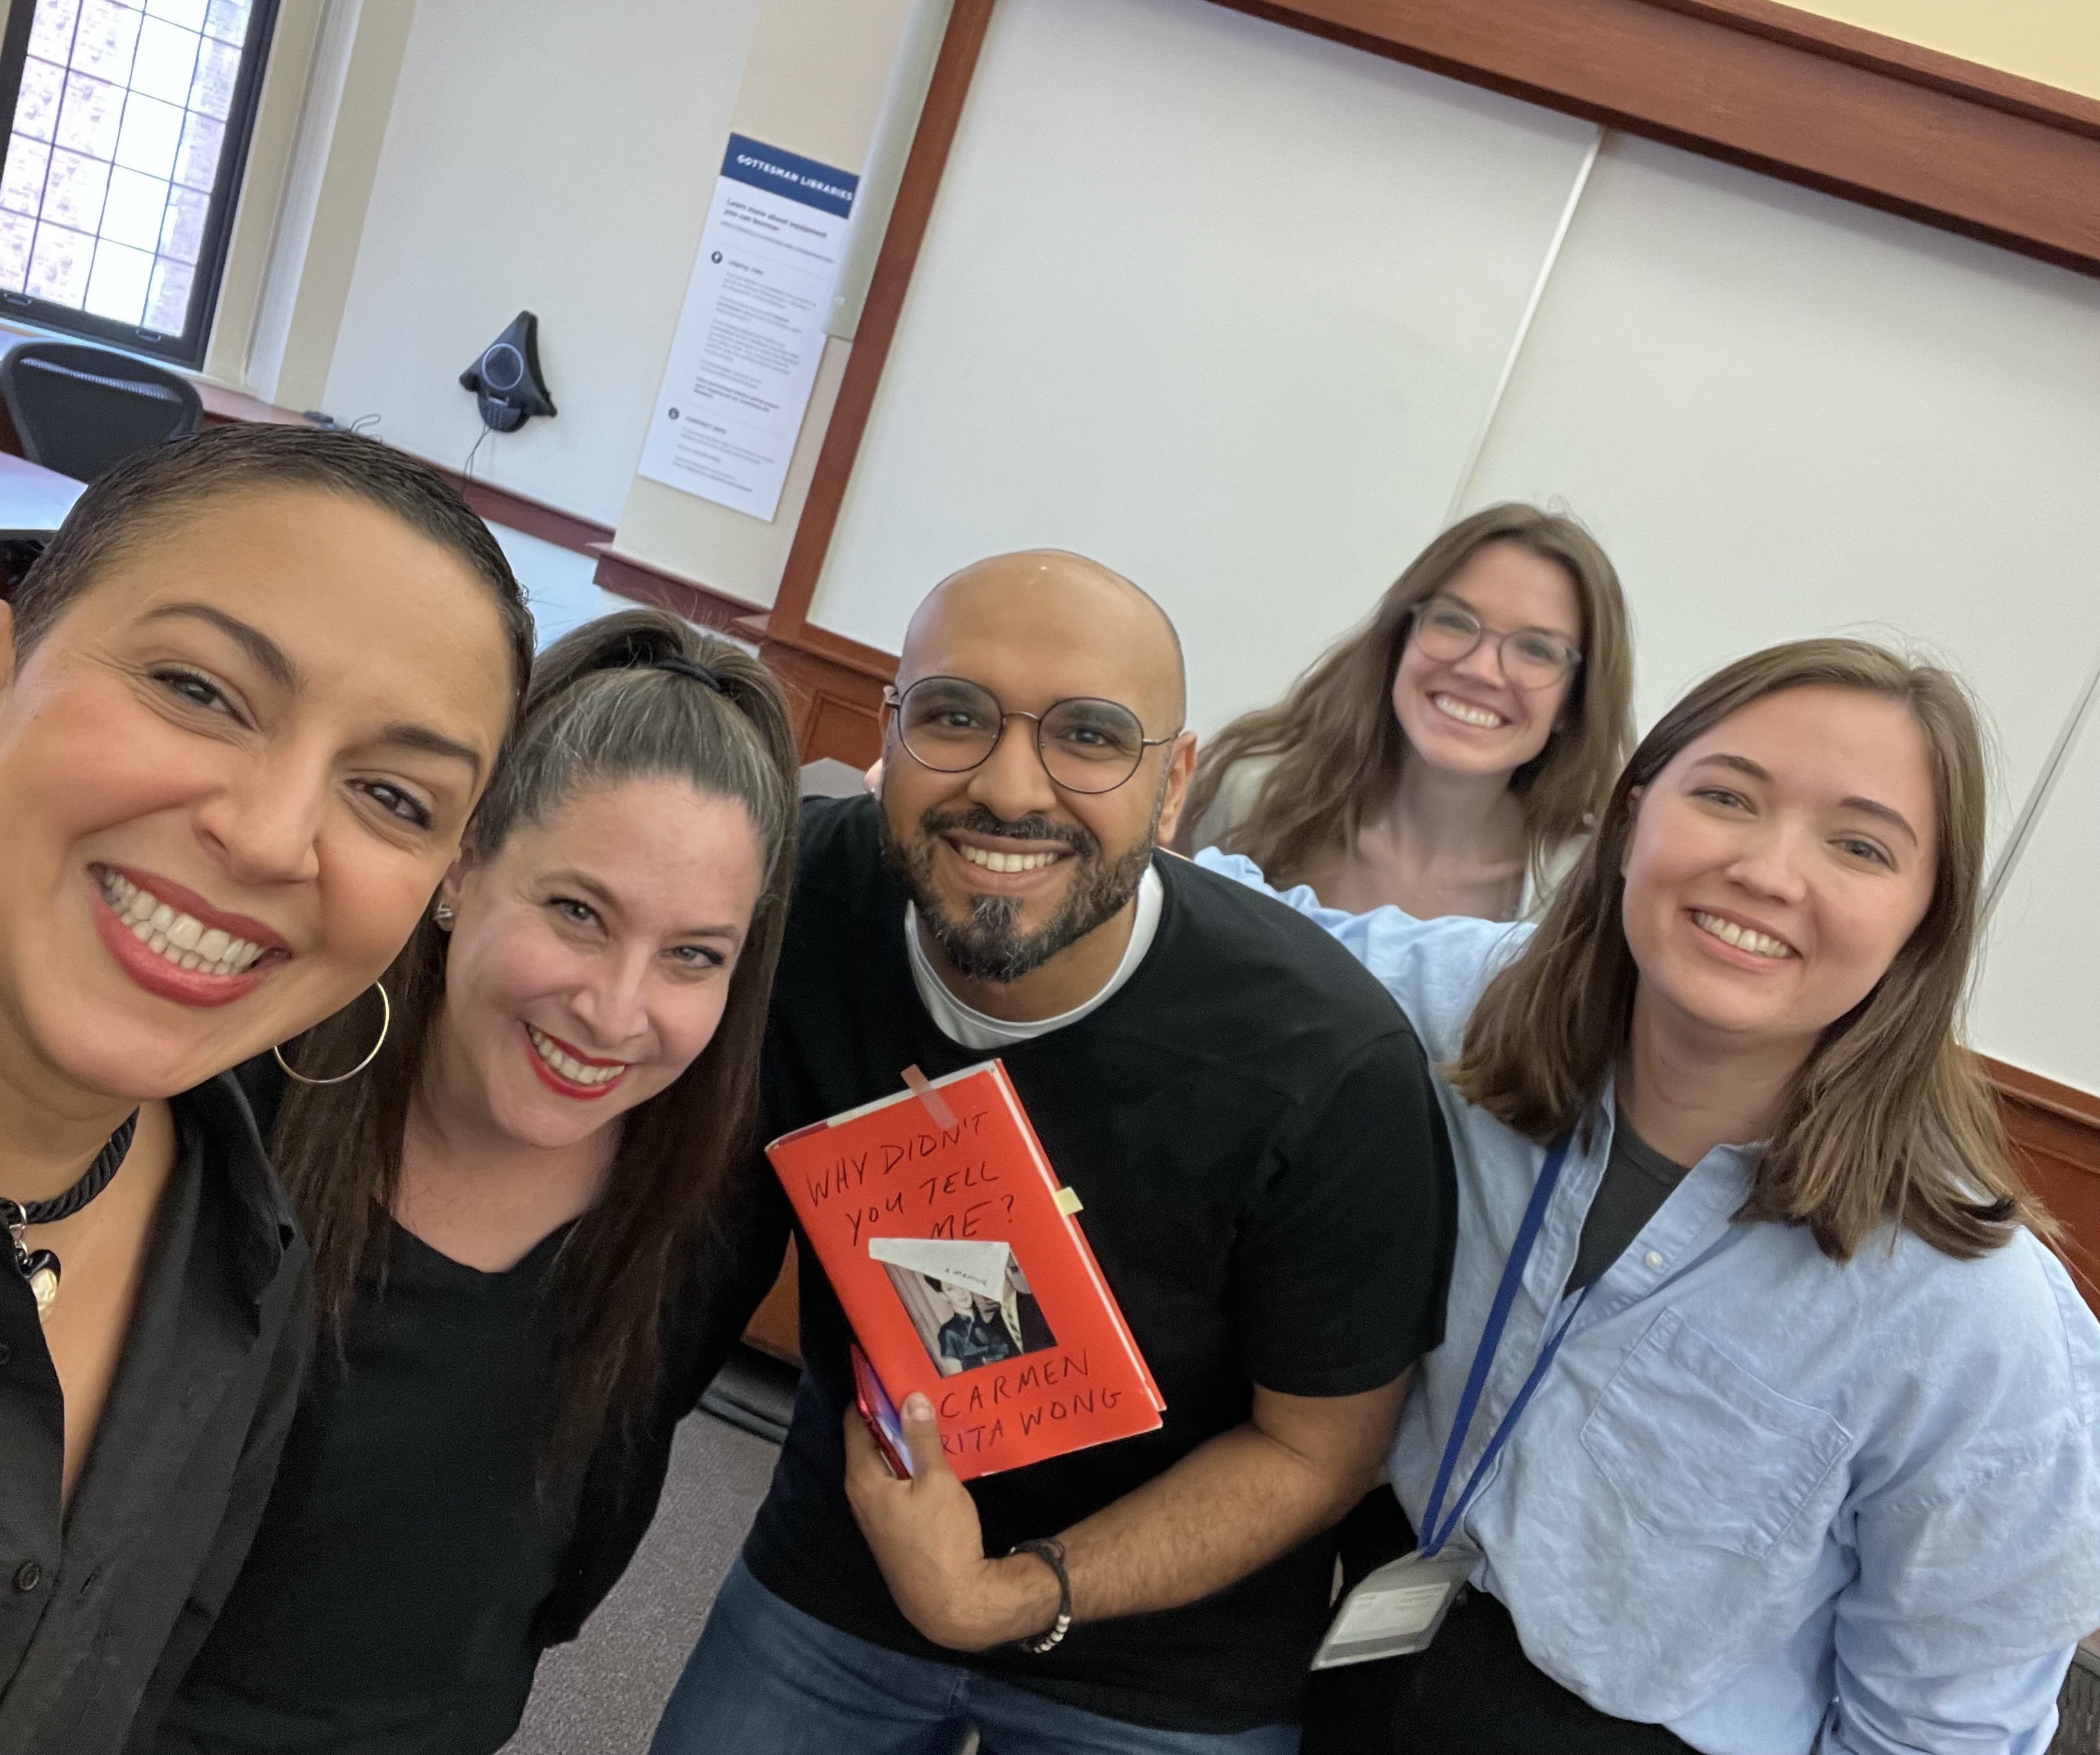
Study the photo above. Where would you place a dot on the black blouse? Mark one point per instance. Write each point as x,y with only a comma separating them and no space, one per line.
412,1566
389,1599
102,1605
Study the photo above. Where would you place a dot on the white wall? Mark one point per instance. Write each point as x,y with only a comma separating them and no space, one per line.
545,157
1211,300
1785,414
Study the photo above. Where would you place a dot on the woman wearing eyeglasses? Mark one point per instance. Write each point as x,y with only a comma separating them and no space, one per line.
1447,755
1765,1422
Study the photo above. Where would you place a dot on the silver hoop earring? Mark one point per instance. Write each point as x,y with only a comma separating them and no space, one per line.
386,1022
443,914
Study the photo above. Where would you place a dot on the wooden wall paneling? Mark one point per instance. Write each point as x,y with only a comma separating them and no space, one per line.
2055,1132
838,704
497,505
630,578
491,501
776,1328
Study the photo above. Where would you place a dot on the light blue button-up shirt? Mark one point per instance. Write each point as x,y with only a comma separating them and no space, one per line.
1778,1504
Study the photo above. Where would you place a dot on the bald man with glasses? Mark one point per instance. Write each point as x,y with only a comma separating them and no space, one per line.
1266,1186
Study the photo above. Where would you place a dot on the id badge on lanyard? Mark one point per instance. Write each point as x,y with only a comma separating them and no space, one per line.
1398,1608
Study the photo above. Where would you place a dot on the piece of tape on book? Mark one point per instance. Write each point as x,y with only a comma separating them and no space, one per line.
936,1106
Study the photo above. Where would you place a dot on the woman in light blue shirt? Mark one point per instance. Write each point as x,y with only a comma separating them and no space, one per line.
1817,1467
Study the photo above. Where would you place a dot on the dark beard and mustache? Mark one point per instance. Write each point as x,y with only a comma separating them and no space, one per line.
988,946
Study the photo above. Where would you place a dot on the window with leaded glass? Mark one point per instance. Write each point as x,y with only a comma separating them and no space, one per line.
127,129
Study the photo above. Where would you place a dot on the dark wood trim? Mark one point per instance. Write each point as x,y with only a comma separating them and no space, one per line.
2055,1134
1798,97
646,583
2022,1089
838,707
491,501
892,278
775,1327
223,407
822,644
1891,56
497,505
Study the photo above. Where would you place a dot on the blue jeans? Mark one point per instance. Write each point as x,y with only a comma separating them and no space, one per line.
766,1679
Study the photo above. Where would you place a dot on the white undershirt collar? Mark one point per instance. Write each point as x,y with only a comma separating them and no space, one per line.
976,1030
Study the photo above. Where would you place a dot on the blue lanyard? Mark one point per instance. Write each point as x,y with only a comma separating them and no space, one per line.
1435,1534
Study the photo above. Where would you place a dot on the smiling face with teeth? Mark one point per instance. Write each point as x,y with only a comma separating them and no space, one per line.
1465,716
1024,886
231,771
1778,864
590,960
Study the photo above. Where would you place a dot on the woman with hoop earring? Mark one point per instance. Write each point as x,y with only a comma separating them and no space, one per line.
514,1213
248,696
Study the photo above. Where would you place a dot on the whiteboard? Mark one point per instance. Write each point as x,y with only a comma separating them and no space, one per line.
2037,996
1216,302
1785,414
1226,306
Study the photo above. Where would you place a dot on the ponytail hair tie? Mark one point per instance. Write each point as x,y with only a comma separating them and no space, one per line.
679,665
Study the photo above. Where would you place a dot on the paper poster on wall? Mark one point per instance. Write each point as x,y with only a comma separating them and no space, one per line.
748,339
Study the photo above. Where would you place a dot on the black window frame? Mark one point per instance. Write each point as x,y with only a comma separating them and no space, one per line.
187,349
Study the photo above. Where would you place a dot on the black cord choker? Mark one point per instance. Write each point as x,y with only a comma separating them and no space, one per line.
40,1268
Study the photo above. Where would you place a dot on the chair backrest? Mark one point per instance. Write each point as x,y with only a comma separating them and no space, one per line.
79,409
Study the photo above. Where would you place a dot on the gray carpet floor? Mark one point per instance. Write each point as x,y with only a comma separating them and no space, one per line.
601,1695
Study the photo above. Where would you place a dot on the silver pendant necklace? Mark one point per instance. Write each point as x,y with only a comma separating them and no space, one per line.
40,1268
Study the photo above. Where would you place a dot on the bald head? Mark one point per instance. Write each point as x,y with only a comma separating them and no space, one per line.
1089,629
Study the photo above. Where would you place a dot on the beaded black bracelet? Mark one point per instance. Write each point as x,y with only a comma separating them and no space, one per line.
1051,1552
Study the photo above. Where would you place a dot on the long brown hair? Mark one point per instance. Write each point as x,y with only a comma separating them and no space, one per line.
1339,749
1889,1119
601,713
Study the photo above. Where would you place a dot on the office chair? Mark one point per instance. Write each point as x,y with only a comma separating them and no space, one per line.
78,409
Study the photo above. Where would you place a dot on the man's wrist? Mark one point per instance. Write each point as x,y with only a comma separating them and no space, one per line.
1027,1596
1050,1550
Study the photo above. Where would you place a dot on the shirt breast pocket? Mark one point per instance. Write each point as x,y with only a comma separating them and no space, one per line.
1701,1451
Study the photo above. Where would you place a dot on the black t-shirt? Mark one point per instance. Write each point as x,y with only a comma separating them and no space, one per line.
1637,1180
1268,1188
389,1602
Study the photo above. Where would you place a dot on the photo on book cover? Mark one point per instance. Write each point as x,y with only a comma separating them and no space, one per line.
969,1303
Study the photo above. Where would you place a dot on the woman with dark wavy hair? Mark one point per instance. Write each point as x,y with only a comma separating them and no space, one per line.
1766,1421
513,1212
249,697
1448,757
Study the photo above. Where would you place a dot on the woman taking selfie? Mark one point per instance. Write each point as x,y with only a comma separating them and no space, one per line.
1448,756
511,1213
248,696
1765,1421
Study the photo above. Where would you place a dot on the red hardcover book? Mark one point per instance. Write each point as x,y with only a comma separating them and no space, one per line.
961,1265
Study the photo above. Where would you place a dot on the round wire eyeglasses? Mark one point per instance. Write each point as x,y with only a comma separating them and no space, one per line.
951,725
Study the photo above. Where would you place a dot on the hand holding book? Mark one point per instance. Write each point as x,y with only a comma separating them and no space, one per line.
962,1265
925,1535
